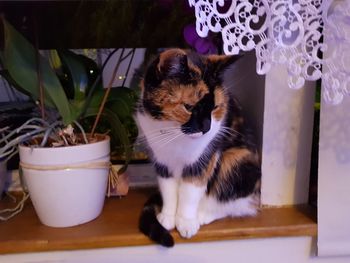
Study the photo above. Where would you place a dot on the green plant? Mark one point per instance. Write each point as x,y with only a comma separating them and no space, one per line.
67,88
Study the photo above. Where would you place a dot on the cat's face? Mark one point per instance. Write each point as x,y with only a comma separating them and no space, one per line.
186,88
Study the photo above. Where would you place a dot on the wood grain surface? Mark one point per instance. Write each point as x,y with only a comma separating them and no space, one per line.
117,226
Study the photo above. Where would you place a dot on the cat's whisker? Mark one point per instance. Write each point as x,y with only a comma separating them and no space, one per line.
163,130
161,140
227,129
172,139
158,139
162,137
226,134
156,133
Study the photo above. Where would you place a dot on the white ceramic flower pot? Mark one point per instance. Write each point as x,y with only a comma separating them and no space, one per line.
64,183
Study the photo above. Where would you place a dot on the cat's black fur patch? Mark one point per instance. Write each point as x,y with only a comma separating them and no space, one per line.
201,165
149,225
162,170
200,120
153,109
232,188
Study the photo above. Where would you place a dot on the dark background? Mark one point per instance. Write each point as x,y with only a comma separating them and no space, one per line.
100,24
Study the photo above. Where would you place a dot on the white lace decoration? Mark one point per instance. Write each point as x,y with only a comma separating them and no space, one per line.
286,32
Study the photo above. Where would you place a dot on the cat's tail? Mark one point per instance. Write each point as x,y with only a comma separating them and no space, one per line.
149,225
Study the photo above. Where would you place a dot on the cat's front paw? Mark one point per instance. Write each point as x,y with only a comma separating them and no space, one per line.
167,221
187,227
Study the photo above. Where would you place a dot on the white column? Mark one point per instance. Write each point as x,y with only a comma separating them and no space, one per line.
287,138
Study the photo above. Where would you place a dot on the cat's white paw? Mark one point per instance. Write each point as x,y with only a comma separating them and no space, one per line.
187,227
167,221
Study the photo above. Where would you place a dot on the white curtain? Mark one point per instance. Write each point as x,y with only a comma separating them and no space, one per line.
334,164
334,180
286,32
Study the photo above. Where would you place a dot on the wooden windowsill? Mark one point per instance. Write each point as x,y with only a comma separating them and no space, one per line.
117,226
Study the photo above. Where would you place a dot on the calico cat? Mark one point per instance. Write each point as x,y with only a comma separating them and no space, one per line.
208,166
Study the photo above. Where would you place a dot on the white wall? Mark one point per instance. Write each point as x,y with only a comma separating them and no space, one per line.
271,250
137,60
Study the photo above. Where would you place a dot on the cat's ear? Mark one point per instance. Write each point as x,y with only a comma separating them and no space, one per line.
220,63
173,63
152,77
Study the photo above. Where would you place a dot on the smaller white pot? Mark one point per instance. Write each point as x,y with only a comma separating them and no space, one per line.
64,183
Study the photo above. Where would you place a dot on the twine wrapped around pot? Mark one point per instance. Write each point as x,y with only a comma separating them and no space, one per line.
113,176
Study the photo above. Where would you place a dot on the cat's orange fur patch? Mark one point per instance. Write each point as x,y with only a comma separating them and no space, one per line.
233,157
217,58
220,103
230,159
172,97
204,178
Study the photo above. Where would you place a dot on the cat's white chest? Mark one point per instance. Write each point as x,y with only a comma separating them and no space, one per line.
170,146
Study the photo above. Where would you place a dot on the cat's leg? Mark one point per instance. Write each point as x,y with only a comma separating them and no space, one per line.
245,206
168,188
210,209
186,217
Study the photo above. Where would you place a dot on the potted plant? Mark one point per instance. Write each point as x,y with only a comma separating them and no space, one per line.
66,171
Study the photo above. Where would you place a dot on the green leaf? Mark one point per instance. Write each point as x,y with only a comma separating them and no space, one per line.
96,99
120,107
76,108
126,94
19,58
77,72
118,130
6,75
122,133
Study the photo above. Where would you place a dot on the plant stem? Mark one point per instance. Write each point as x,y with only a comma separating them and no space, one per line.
107,93
129,65
38,71
95,84
82,131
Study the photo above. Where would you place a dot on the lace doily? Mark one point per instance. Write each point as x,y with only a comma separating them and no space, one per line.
287,32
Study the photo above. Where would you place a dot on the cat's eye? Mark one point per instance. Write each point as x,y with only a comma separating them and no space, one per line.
215,107
188,107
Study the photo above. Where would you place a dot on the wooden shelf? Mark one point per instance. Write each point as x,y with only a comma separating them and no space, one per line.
117,226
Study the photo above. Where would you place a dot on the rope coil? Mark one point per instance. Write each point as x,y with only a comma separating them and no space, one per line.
93,165
113,176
